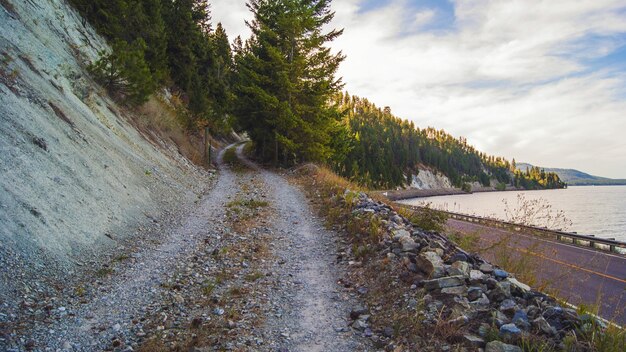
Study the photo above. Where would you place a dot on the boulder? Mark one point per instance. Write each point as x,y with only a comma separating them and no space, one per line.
456,290
517,288
408,244
459,257
486,268
474,293
450,281
476,276
500,274
500,318
398,234
520,319
508,306
356,312
510,331
459,268
542,325
474,341
500,292
498,346
431,264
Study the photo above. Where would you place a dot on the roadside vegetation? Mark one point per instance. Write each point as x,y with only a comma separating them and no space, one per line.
232,160
334,198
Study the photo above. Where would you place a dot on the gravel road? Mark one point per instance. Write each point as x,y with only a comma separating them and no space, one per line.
316,312
301,305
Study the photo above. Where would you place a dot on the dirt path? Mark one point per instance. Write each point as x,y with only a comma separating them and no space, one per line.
316,309
220,279
108,314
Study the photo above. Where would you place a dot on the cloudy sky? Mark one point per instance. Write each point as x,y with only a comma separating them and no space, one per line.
540,81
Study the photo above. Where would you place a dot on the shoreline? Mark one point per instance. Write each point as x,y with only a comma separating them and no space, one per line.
395,195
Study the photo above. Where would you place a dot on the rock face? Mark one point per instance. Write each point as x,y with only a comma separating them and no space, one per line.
77,179
465,288
427,179
78,168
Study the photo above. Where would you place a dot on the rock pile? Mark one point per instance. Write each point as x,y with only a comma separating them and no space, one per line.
453,287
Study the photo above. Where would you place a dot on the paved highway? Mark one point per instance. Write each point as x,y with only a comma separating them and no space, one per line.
576,274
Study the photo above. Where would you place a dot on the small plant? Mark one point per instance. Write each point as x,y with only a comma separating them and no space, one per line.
6,59
375,228
208,287
531,343
595,334
103,272
236,291
80,291
426,218
535,212
121,258
249,203
361,251
468,242
251,277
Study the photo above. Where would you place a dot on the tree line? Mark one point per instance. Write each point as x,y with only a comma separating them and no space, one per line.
163,43
280,87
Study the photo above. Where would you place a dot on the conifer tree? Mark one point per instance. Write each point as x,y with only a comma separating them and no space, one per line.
286,79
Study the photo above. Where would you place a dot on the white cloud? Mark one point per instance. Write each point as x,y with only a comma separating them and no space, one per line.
232,14
511,76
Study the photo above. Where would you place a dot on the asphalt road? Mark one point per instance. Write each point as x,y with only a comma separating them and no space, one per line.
575,274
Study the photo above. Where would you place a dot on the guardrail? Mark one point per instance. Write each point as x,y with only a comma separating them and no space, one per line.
610,245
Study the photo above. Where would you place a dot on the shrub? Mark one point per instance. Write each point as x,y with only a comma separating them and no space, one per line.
124,73
426,218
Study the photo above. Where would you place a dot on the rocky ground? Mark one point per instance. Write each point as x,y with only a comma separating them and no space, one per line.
425,293
250,268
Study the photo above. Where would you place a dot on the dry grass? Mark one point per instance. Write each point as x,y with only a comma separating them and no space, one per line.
387,281
157,118
231,159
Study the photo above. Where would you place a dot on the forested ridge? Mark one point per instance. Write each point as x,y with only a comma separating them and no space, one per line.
280,87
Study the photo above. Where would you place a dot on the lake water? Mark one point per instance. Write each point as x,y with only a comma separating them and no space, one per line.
598,211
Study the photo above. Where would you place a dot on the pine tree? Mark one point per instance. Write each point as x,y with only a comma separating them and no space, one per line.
286,79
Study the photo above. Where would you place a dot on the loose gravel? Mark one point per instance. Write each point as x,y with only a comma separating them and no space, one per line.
262,279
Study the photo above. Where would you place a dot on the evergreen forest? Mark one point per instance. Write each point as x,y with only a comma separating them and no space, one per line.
280,86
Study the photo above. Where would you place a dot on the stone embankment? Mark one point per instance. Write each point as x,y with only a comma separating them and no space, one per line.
483,305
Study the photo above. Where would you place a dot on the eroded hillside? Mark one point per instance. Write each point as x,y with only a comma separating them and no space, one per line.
77,178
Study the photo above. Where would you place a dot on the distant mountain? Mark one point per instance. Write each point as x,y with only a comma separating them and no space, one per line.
577,178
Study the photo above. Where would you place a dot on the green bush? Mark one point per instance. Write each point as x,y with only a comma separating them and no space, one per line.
426,218
124,73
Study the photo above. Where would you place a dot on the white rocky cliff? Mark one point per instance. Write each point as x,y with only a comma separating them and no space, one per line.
75,175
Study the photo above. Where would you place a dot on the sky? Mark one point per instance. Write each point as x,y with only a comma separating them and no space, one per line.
543,82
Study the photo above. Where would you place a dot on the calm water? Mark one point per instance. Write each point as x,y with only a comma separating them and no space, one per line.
599,210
